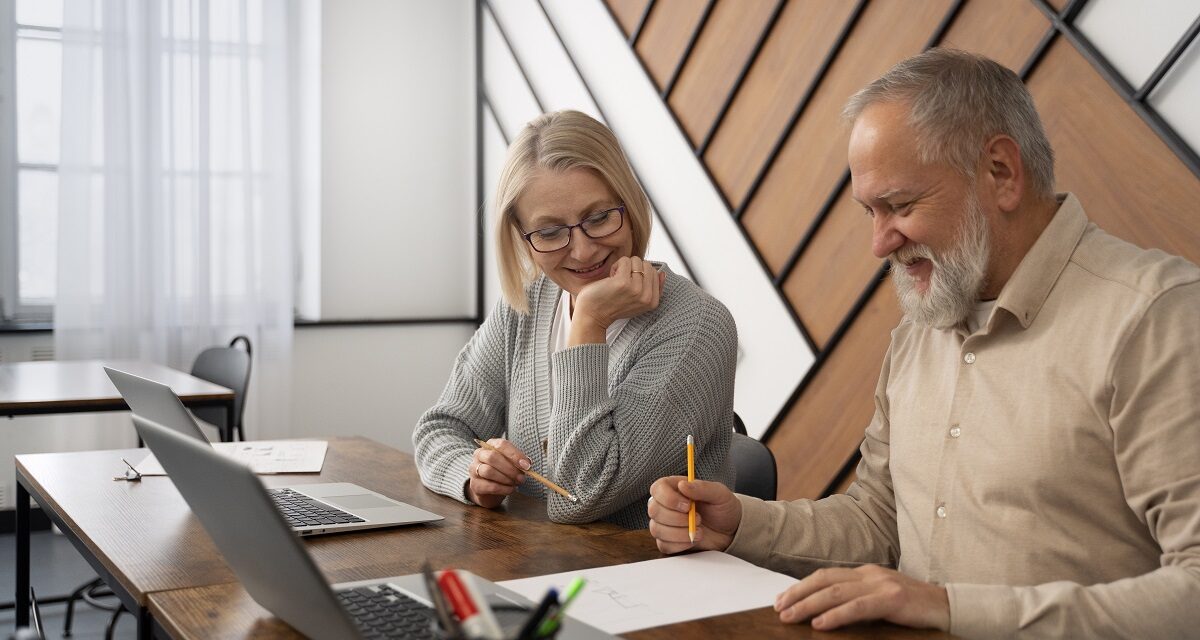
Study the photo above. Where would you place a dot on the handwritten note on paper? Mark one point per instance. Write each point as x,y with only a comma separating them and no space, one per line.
262,456
640,595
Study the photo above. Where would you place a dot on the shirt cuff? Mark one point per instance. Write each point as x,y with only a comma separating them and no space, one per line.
755,534
455,478
982,610
580,377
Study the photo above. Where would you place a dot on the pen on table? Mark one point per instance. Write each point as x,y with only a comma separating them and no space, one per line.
691,459
535,475
472,610
539,614
551,624
445,617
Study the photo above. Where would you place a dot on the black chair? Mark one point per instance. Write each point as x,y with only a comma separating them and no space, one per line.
230,368
753,463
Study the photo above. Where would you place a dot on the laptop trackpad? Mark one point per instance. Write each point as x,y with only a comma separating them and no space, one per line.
362,501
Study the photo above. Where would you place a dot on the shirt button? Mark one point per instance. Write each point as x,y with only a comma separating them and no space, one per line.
955,431
941,511
969,358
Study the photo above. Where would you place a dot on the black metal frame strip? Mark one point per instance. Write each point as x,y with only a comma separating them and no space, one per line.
380,322
737,84
587,87
1173,56
480,196
512,53
490,108
637,31
832,199
1084,46
798,112
1027,68
687,50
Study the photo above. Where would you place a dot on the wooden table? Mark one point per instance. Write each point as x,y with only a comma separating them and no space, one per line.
74,386
155,555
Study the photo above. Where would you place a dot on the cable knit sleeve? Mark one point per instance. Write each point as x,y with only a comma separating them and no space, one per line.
473,405
608,447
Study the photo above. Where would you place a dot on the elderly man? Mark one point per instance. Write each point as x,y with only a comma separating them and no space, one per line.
1033,465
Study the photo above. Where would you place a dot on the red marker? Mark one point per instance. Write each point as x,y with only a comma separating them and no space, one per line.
474,613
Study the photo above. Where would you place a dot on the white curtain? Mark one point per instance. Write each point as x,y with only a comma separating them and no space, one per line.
177,181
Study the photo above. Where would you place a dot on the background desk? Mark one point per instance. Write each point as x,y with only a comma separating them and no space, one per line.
143,539
73,386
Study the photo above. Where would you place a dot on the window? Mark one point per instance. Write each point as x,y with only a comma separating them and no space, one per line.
30,67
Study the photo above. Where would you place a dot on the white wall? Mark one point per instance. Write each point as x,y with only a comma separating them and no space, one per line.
398,172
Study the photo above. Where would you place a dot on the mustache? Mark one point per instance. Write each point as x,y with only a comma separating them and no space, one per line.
907,255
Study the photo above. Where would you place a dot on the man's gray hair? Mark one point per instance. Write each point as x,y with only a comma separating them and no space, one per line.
958,101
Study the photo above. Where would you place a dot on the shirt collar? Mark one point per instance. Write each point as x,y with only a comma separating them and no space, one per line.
1026,291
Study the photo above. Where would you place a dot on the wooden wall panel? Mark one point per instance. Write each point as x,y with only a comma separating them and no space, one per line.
1006,31
814,157
783,72
834,269
666,34
720,53
843,483
825,426
1130,183
838,263
628,13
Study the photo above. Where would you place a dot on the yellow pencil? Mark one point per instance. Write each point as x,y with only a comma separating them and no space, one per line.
691,446
535,475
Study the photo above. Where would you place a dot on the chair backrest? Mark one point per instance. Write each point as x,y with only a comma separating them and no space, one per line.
230,368
753,463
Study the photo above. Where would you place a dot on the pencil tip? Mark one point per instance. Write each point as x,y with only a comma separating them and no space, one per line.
692,537
573,499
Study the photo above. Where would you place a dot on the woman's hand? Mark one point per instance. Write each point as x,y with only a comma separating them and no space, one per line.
495,474
632,287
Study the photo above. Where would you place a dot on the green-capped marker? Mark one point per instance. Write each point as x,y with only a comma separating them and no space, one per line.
550,625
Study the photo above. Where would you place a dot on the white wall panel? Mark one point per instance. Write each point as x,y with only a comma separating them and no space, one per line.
398,167
511,98
1177,97
494,149
1136,35
774,354
372,381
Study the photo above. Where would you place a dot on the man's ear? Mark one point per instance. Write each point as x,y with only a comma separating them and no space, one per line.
1006,173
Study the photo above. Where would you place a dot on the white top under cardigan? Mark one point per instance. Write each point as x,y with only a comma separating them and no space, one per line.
617,416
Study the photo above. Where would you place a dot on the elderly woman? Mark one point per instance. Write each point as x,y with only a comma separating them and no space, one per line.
597,364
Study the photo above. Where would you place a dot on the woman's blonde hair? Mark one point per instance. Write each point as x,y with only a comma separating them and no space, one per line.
558,142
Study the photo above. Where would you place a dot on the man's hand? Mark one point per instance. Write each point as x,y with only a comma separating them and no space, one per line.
718,514
494,474
837,597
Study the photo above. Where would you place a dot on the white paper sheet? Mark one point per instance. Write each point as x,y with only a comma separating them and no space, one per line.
640,595
263,456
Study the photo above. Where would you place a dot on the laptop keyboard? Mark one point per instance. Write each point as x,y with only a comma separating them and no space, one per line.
302,511
382,612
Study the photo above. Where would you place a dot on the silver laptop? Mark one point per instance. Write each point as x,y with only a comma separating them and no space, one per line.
277,571
309,509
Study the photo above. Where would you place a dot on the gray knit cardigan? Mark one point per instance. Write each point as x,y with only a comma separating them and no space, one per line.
618,416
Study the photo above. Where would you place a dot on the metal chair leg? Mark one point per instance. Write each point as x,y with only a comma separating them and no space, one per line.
112,622
75,596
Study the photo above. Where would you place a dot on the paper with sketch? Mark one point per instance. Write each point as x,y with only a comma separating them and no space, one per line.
262,456
640,595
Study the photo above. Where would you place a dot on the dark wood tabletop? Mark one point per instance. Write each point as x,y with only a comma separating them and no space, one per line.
157,551
82,385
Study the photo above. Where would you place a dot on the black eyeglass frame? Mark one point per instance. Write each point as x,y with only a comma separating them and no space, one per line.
620,209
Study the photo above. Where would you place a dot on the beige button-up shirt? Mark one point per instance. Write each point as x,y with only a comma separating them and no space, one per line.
1046,468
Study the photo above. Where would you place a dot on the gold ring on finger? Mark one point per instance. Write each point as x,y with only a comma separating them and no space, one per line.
640,273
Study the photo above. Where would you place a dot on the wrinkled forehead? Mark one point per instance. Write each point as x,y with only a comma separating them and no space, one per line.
882,152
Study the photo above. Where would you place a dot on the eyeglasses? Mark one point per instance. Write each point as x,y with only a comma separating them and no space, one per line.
595,226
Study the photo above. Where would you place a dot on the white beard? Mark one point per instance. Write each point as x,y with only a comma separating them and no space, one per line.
956,279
